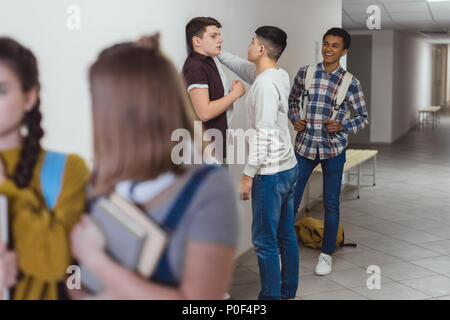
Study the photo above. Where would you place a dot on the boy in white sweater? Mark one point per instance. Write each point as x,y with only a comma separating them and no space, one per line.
271,170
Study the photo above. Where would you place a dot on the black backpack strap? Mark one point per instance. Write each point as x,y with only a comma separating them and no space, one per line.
348,244
163,273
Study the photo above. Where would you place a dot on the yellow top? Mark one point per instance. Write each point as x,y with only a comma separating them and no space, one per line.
41,237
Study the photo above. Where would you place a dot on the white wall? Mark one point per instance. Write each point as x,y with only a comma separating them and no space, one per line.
381,87
64,55
401,82
448,76
412,88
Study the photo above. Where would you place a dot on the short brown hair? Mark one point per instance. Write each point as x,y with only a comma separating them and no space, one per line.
197,27
138,100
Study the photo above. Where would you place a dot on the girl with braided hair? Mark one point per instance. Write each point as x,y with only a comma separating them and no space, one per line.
34,266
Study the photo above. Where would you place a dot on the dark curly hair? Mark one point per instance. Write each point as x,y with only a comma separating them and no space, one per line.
23,62
339,32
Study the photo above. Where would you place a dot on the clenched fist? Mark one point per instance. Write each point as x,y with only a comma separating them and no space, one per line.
238,87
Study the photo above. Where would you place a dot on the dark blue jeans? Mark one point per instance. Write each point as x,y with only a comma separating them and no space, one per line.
273,232
332,170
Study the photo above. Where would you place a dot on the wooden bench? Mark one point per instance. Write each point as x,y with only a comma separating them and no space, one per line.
425,113
354,159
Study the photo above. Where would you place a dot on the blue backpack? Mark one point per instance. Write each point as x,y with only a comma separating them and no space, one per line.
52,174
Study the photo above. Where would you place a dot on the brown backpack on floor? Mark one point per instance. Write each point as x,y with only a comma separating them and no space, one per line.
310,231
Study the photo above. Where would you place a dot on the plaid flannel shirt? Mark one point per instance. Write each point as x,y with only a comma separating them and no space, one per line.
322,98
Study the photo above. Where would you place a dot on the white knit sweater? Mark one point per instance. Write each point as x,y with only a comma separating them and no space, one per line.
266,110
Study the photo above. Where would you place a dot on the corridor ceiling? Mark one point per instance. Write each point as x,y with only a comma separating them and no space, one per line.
431,18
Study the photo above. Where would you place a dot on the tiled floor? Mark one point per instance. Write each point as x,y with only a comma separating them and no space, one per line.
401,225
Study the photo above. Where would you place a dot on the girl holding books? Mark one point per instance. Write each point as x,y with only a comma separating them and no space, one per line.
35,262
138,101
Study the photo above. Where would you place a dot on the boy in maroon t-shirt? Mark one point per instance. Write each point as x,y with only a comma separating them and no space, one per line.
204,80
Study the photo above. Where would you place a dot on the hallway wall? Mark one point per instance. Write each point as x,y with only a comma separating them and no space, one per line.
65,55
412,85
381,85
448,76
362,70
401,82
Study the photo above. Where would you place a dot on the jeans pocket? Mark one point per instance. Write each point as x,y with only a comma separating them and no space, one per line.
294,176
297,170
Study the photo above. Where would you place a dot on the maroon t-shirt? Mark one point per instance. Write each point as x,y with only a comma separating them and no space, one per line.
200,71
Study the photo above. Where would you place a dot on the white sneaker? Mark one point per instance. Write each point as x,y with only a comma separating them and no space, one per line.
324,264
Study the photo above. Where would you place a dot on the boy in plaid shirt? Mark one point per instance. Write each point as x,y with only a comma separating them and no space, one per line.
321,139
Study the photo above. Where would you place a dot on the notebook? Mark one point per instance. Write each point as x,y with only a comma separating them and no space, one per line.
156,240
133,238
4,294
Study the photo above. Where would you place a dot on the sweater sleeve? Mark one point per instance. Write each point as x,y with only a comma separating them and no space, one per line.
244,69
265,103
41,236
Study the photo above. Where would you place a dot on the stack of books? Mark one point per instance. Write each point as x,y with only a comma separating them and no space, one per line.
133,238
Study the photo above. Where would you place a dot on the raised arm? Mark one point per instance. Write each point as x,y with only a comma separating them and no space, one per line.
244,69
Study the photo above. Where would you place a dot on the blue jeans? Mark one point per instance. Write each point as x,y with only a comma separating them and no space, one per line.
273,232
332,170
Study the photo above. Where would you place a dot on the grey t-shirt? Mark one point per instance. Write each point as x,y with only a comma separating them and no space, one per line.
212,217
